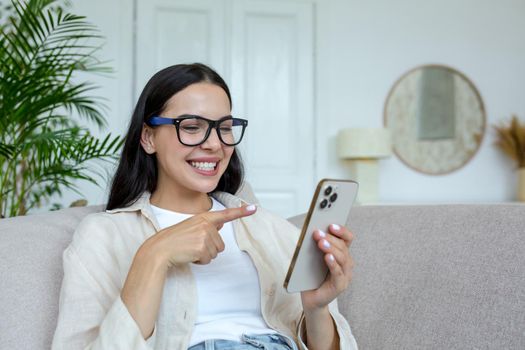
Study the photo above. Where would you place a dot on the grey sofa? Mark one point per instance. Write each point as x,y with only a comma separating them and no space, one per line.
426,277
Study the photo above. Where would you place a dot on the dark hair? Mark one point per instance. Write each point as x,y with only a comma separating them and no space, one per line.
137,171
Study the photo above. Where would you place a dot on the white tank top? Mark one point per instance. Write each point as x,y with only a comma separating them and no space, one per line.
229,297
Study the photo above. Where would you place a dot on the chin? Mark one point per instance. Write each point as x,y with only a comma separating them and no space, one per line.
205,186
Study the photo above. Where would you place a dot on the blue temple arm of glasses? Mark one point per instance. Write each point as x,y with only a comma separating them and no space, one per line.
156,120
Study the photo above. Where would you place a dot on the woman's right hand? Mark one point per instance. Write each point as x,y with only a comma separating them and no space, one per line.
194,240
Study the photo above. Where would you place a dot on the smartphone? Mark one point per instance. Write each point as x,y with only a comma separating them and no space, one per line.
330,204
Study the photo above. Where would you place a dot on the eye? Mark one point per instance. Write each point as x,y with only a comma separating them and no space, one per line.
190,128
193,126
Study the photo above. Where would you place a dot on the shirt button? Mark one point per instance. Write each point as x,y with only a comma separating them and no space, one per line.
271,290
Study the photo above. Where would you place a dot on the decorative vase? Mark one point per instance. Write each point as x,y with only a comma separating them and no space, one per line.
521,184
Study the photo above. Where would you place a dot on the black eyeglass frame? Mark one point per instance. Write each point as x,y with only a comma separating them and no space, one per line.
212,124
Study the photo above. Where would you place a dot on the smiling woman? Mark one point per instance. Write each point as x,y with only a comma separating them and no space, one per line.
177,260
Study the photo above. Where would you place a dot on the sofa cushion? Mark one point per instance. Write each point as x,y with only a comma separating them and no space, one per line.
31,268
438,277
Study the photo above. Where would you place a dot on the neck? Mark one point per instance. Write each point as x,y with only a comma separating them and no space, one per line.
186,202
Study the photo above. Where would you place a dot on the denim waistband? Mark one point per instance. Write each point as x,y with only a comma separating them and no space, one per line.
249,342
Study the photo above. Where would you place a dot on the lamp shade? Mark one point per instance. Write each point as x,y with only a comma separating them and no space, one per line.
363,143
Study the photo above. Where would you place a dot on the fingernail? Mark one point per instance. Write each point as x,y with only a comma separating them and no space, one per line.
322,234
331,257
336,227
326,244
251,207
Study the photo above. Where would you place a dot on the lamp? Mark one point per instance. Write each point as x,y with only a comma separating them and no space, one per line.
362,148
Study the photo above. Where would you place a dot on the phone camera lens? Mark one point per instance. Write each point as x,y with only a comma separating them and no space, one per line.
333,197
328,191
323,204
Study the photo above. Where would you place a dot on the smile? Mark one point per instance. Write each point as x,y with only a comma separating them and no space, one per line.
205,166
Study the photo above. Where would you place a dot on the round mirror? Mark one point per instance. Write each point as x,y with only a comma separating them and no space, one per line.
436,118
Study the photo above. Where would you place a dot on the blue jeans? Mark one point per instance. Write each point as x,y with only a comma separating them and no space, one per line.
249,342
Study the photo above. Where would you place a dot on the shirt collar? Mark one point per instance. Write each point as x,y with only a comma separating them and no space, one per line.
142,203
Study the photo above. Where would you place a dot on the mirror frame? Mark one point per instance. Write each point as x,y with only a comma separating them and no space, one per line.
482,111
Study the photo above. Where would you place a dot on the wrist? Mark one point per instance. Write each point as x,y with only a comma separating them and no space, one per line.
316,312
149,253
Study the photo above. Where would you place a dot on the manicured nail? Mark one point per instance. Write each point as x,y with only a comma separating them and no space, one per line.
322,234
336,227
326,244
251,207
331,257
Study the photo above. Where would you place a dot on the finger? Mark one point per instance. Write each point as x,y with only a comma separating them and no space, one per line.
212,251
203,259
341,255
221,217
339,280
341,232
218,241
343,258
333,240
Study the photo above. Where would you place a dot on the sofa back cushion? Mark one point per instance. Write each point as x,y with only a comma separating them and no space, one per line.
31,268
438,277
426,277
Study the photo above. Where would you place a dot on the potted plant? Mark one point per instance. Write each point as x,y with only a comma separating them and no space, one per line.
43,149
511,140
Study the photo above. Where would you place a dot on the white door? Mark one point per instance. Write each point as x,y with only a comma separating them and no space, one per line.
272,81
178,31
264,50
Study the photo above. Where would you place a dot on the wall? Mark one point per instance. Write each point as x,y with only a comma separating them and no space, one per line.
114,20
362,48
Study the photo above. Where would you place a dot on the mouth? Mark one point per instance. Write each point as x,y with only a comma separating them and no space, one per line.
205,168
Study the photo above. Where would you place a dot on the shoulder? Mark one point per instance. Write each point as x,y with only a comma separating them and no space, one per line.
268,223
103,231
275,219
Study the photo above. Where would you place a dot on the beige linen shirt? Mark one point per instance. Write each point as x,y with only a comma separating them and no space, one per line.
96,263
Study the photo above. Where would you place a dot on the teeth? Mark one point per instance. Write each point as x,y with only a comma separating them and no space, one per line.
203,165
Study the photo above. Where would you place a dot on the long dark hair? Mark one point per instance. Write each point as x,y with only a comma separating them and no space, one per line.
137,171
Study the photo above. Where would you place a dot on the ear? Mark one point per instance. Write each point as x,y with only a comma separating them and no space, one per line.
147,139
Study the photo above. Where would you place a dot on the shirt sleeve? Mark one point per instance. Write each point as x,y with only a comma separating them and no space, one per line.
346,338
91,316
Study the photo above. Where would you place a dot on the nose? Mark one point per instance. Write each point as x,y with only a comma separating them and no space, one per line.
213,141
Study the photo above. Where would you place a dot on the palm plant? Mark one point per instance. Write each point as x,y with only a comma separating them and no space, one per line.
43,149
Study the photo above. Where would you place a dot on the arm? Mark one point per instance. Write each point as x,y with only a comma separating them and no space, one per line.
194,240
92,315
95,314
321,333
320,330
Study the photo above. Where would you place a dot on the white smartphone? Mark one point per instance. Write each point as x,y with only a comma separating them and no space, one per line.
331,204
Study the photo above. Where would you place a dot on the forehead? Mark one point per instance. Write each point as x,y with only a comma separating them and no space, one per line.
204,99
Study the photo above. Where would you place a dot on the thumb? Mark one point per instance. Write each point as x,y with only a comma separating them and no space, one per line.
220,217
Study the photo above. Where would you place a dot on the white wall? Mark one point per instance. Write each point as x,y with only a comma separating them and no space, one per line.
114,20
363,47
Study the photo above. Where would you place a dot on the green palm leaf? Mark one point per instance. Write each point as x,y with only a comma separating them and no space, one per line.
42,149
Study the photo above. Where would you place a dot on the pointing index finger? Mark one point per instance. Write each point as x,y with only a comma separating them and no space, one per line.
223,216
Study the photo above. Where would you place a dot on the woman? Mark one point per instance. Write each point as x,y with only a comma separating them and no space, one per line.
168,266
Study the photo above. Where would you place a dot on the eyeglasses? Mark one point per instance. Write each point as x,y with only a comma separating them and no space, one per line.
193,130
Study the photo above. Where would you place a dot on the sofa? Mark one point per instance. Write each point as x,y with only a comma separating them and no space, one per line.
426,277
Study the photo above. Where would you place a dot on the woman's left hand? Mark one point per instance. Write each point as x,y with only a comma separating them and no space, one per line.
335,245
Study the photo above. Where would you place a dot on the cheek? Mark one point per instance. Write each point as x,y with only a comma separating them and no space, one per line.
228,152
